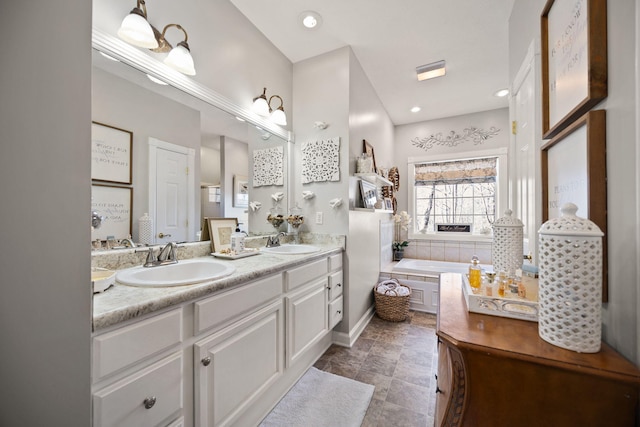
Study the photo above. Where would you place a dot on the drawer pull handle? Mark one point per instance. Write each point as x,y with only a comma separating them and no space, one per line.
206,361
149,402
339,311
438,390
339,284
436,377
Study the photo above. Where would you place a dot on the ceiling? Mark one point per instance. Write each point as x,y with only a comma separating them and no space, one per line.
391,38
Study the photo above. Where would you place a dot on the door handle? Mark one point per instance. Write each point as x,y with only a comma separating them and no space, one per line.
162,235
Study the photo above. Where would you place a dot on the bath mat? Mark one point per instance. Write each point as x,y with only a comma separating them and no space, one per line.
321,399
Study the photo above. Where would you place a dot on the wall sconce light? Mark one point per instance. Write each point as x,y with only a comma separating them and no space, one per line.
263,108
429,71
136,30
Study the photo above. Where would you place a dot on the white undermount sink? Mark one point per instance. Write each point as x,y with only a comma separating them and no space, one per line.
291,249
185,272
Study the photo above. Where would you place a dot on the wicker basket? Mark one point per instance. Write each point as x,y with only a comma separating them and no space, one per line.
391,306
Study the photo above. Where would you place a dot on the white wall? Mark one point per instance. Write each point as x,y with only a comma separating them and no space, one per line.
620,318
45,306
333,88
321,88
117,102
235,162
231,56
404,134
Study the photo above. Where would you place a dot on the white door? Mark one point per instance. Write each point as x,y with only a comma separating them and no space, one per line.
171,191
526,153
171,196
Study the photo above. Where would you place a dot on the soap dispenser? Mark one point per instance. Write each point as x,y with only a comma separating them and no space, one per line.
237,240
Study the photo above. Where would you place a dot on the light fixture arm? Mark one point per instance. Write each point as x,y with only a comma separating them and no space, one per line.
275,96
178,26
263,96
140,9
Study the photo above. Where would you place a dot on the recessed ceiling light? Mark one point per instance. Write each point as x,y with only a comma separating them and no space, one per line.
429,71
502,93
415,109
310,19
156,80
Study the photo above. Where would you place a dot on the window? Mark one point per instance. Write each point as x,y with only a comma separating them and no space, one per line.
462,191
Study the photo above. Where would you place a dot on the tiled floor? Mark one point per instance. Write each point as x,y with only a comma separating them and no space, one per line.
400,360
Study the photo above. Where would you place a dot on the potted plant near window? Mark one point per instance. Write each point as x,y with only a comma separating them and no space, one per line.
401,223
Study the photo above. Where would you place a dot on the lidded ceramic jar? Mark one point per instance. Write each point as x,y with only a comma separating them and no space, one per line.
570,282
507,252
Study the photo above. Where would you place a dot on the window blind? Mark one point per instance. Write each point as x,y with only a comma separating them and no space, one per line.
471,171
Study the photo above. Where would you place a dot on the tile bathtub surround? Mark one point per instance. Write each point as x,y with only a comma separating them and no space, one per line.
400,360
438,250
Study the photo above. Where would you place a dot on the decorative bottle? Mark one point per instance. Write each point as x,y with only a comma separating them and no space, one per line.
145,229
475,274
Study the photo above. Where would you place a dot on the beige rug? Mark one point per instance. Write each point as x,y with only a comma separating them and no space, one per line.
321,399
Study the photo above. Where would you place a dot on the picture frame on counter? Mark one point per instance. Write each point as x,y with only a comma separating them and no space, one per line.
111,154
574,170
574,61
220,230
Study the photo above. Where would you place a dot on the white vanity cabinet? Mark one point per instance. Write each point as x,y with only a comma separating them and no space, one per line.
221,360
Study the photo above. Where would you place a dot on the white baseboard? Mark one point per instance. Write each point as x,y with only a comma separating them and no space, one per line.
347,340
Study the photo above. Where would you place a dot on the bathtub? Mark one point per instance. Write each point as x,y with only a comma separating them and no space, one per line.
429,267
423,277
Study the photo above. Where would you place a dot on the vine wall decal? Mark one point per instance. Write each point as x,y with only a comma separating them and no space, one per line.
478,136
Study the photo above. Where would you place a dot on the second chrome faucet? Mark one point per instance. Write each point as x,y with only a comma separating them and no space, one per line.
166,255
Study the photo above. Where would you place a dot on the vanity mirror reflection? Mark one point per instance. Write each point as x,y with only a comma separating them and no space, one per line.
175,132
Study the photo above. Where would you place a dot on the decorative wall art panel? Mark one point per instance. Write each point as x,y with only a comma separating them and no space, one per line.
268,167
478,136
321,161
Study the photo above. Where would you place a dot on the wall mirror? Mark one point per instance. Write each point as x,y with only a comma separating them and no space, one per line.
182,124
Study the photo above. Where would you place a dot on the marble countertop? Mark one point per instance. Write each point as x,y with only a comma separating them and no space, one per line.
121,303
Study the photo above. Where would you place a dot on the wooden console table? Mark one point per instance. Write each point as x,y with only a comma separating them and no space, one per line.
496,371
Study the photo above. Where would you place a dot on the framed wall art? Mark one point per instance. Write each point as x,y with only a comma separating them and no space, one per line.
368,150
110,154
114,205
574,170
574,60
240,191
369,193
220,230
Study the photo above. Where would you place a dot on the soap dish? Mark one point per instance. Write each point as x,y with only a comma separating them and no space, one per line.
102,279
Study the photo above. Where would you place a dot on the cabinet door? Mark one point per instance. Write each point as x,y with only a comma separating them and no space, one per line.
234,366
306,319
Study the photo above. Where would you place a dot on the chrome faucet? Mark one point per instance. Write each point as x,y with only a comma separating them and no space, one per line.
274,241
166,255
128,242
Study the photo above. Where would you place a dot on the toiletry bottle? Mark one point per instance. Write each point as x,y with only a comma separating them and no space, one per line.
475,274
237,240
502,283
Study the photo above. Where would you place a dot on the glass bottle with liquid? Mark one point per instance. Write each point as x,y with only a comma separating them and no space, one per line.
502,283
475,274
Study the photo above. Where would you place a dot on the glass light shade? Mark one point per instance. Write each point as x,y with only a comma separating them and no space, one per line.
279,117
137,31
180,59
260,106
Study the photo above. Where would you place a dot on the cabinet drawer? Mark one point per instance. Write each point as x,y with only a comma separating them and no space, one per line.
125,346
218,309
305,273
335,312
335,262
335,285
159,387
